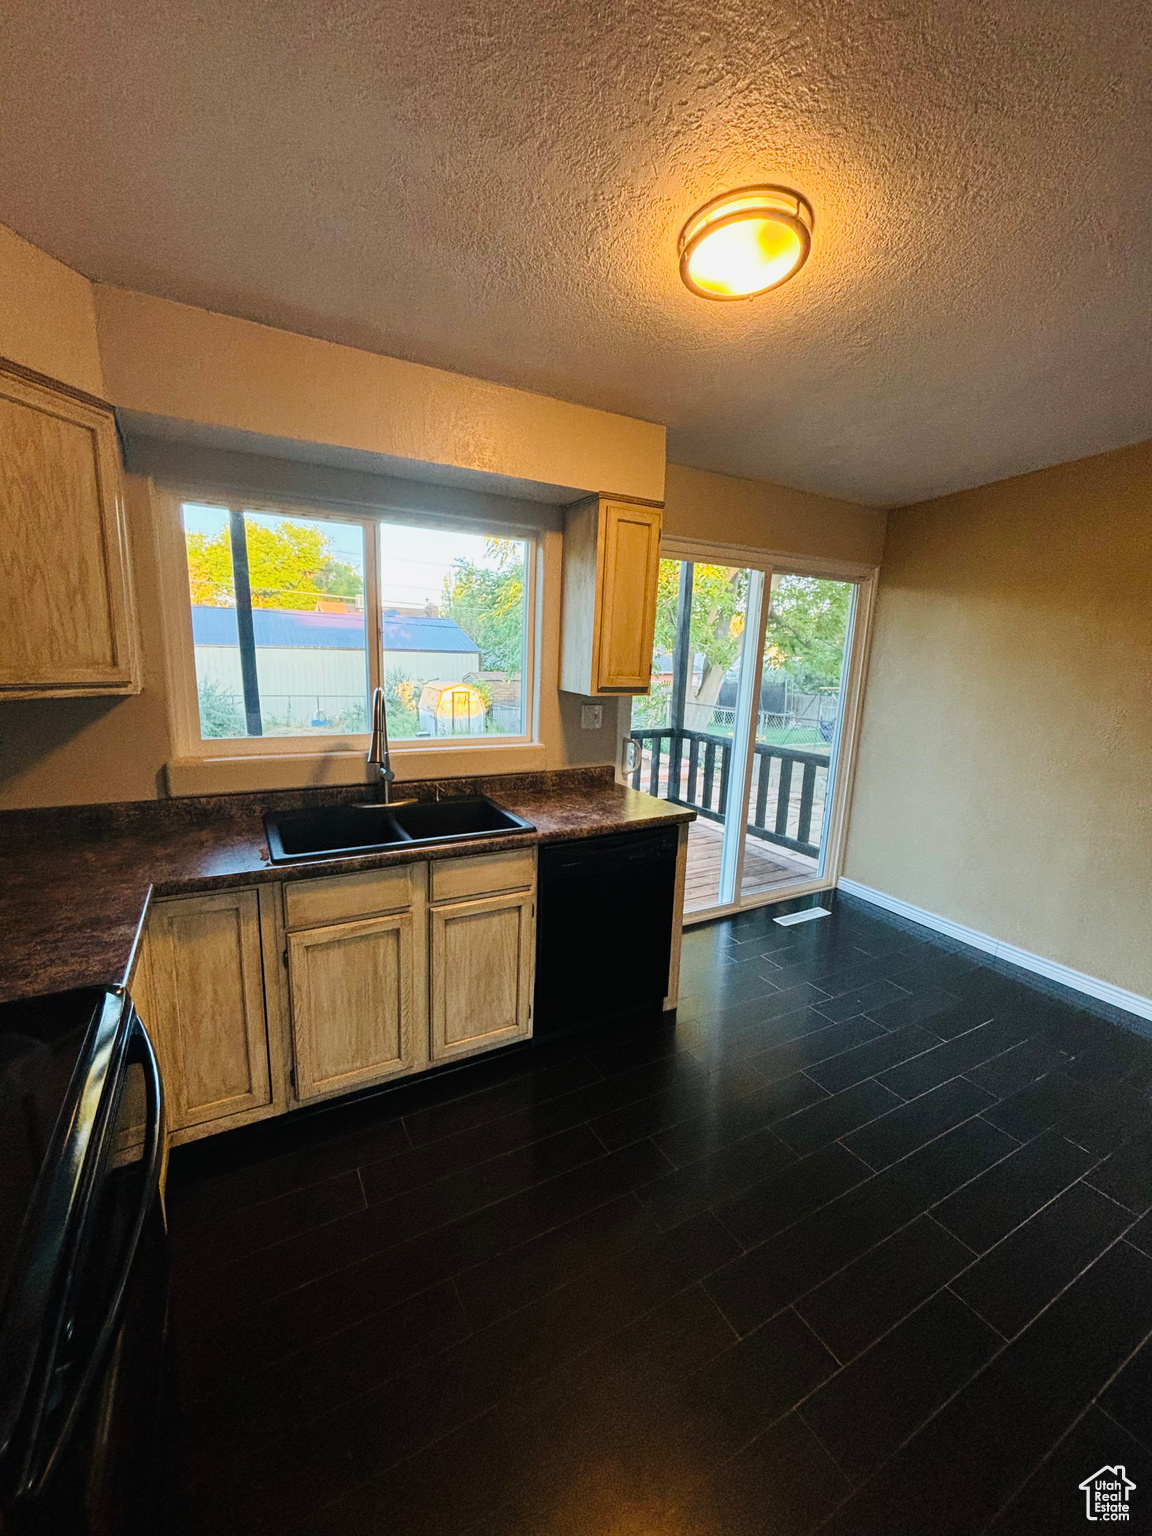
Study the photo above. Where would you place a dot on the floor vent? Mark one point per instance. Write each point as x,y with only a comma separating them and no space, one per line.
808,914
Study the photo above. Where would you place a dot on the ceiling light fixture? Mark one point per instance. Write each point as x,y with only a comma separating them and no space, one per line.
745,242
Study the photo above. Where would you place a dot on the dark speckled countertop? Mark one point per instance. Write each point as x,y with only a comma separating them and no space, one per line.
75,881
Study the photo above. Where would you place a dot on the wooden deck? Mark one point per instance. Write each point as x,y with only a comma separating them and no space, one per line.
765,867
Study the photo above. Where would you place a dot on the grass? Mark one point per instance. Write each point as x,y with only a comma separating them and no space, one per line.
779,736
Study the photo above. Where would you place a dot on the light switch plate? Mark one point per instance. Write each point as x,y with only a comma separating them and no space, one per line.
591,717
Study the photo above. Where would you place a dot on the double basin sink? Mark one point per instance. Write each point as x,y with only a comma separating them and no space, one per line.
342,831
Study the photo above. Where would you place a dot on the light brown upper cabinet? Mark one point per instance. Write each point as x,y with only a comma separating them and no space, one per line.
66,620
611,567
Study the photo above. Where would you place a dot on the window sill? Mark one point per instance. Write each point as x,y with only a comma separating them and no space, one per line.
308,770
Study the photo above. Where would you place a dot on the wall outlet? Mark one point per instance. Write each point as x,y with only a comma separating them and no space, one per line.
591,717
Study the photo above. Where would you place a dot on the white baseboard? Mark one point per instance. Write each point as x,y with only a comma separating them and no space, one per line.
1078,981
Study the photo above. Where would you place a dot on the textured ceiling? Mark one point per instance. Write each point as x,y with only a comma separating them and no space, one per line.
496,186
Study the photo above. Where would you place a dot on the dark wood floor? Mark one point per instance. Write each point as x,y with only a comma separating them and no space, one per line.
859,1245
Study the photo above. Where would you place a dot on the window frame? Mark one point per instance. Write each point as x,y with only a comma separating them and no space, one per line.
180,658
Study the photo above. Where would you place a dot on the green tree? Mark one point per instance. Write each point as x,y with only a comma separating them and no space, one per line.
401,701
220,714
289,566
807,623
719,594
487,601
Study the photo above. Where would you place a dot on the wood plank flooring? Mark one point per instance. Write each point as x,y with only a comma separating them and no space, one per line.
860,1243
765,867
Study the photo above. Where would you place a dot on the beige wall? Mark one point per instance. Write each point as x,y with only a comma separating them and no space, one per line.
172,360
1005,772
754,514
82,751
47,316
75,751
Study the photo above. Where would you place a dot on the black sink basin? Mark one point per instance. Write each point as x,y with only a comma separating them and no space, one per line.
330,831
430,821
343,831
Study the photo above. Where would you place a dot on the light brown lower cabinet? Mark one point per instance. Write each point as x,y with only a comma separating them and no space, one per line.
257,1001
355,1011
480,970
202,1001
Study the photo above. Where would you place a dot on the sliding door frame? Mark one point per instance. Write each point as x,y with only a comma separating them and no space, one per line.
744,733
843,758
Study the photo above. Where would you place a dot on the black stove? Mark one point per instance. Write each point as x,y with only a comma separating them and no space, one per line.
41,1039
83,1276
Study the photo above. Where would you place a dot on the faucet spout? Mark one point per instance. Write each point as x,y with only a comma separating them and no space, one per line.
378,752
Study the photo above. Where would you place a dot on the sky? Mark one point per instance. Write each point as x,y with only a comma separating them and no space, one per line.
414,561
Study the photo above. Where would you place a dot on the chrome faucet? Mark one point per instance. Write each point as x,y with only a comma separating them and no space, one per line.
378,753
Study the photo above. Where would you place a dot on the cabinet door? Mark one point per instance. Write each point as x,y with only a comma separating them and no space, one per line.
353,1005
631,566
65,593
203,1006
481,962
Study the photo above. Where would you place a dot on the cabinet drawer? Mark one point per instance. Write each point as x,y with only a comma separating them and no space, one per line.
334,899
482,874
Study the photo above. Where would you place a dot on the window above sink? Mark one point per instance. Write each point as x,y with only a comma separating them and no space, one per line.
284,619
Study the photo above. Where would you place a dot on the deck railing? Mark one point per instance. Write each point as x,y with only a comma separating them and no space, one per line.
691,768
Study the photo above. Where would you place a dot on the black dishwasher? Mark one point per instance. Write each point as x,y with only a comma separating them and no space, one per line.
604,927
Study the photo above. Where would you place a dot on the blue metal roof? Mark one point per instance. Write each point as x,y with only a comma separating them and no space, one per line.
330,631
418,632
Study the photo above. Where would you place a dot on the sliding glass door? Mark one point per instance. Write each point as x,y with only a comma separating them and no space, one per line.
744,723
798,722
687,727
